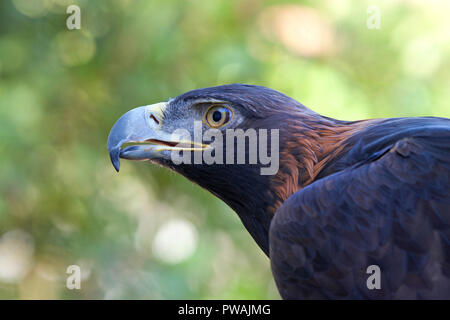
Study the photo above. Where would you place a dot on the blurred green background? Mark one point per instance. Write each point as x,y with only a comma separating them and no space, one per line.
146,232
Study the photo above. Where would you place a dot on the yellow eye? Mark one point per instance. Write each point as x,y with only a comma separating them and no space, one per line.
217,116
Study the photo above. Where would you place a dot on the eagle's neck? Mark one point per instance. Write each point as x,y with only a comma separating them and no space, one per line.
310,145
242,188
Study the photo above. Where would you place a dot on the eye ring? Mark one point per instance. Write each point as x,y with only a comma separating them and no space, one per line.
217,116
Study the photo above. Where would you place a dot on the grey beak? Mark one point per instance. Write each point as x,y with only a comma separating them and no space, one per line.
133,126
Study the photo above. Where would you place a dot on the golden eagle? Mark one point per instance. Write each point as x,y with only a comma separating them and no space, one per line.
345,196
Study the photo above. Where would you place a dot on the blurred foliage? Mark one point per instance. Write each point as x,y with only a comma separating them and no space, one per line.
61,203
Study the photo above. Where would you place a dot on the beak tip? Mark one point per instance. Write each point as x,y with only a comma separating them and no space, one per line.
115,160
129,127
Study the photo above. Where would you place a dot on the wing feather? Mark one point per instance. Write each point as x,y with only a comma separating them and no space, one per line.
393,212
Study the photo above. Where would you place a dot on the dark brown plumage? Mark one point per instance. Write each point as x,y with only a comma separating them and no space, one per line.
385,202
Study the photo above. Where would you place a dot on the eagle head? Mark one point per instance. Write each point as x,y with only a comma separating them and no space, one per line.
250,146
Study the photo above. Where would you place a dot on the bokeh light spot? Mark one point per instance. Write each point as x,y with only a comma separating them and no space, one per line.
16,255
33,8
75,47
175,241
301,30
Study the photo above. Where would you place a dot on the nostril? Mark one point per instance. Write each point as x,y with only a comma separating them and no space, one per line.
154,119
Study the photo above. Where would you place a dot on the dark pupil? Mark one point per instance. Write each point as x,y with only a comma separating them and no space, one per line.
217,115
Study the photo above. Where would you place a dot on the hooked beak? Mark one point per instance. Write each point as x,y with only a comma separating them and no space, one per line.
137,135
